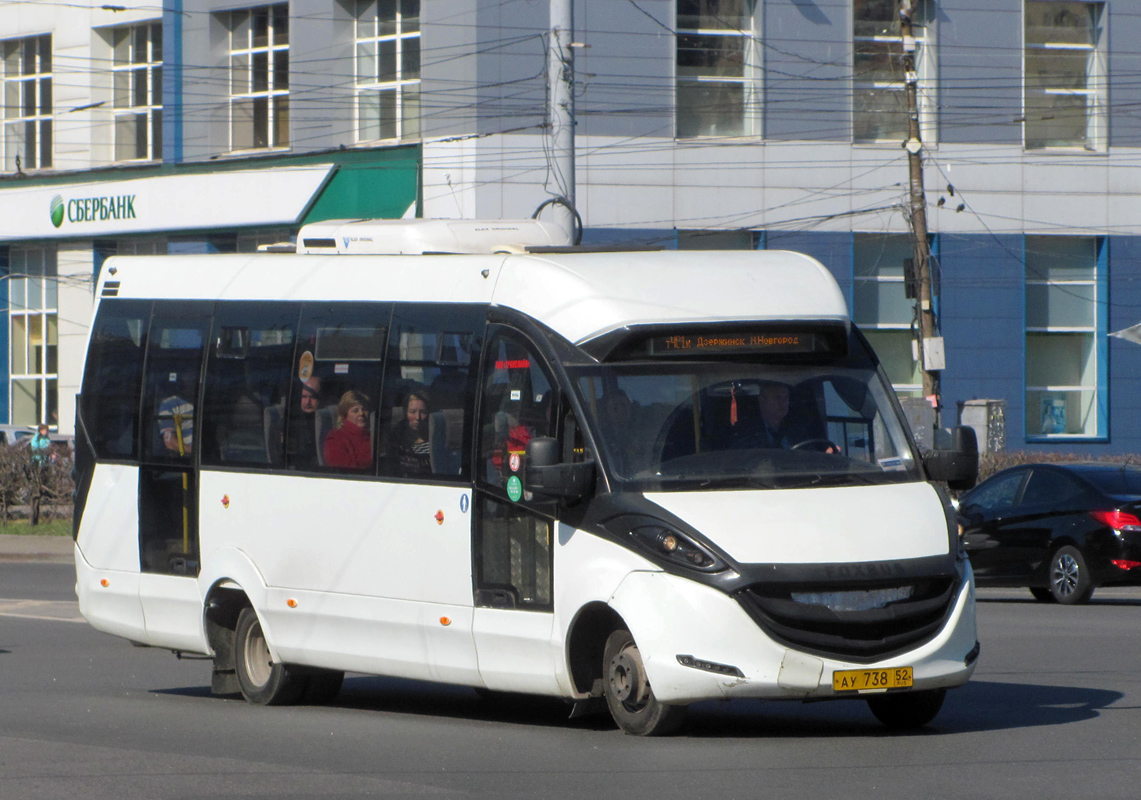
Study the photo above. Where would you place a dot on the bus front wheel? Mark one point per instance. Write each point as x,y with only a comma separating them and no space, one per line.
263,681
628,694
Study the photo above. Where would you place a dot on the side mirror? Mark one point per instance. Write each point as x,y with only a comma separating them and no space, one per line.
544,474
959,466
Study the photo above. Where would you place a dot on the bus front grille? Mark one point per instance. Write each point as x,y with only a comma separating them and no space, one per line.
861,625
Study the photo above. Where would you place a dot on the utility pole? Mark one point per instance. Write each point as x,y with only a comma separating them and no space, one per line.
930,347
560,90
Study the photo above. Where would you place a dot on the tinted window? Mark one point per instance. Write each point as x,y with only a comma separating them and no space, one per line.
1116,481
997,494
429,390
1047,487
248,383
113,380
331,419
173,369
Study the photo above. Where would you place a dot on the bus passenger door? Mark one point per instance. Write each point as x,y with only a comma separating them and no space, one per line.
168,479
513,533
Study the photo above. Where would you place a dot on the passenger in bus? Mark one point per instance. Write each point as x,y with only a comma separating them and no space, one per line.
411,451
349,445
303,426
176,424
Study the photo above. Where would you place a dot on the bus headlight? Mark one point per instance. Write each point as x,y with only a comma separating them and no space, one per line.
675,547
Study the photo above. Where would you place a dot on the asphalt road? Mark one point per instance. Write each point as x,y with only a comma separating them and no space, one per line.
1054,711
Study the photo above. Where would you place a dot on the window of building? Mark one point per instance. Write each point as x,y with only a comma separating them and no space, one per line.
136,66
1064,335
33,291
881,308
388,69
27,103
879,97
718,69
1065,103
259,77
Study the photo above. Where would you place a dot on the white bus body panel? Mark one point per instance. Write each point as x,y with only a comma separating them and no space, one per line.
372,567
833,525
580,295
112,607
585,295
671,616
107,549
526,651
109,530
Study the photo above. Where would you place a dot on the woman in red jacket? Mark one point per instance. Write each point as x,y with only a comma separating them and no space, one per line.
349,445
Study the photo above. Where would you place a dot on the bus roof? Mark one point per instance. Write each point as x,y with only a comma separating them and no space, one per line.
579,295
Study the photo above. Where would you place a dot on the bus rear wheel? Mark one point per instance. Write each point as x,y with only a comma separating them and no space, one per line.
628,694
263,681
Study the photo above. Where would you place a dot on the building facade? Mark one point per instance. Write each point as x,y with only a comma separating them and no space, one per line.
216,126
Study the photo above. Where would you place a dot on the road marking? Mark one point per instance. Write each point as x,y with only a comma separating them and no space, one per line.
48,610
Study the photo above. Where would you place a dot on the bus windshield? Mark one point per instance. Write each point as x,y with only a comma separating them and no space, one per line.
688,425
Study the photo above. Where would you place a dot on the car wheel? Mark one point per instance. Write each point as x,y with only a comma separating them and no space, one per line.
1042,595
907,710
628,694
263,681
1069,577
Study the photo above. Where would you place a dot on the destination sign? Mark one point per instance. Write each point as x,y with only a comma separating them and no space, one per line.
724,343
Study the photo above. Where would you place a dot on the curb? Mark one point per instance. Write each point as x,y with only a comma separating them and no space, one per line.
51,549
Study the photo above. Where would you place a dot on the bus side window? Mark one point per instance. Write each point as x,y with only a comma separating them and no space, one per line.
173,367
114,378
247,383
429,390
331,415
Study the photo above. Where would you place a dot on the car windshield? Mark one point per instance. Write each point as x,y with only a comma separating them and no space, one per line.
714,424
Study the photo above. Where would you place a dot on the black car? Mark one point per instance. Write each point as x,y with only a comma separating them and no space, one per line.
1059,529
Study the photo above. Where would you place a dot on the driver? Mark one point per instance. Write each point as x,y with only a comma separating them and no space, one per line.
767,429
770,428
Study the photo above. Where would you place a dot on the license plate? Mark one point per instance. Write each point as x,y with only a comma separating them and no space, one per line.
862,680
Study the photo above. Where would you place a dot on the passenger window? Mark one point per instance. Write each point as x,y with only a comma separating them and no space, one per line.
331,417
114,379
996,495
429,390
1049,487
247,383
174,363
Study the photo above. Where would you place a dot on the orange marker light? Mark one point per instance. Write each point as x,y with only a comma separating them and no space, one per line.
225,501
104,583
445,621
440,517
291,603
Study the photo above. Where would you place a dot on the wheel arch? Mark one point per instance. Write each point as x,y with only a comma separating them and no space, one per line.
586,640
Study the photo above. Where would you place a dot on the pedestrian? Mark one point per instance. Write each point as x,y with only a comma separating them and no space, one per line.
41,446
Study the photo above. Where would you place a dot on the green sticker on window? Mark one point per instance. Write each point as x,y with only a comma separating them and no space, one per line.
514,488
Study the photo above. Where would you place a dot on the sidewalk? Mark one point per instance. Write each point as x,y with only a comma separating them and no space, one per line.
56,549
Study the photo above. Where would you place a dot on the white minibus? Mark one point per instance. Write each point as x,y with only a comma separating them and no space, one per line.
632,480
